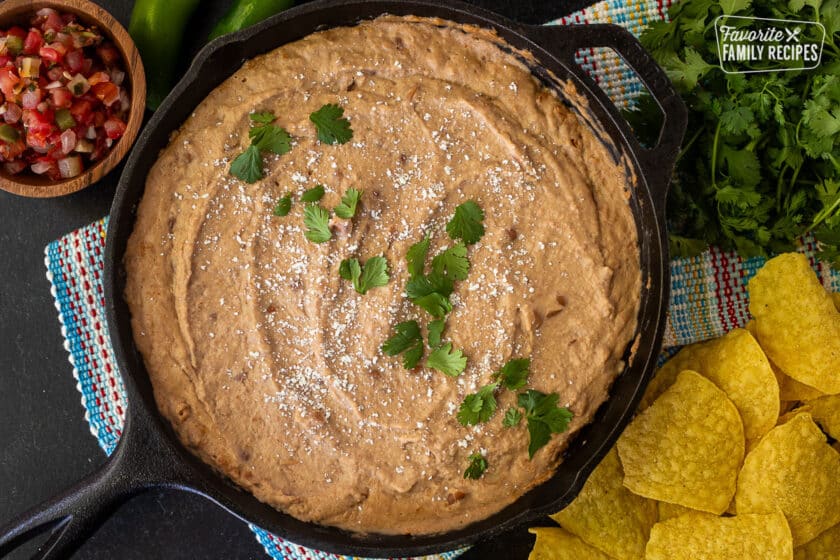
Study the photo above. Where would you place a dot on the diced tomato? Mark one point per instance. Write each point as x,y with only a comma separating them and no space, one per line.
33,42
106,92
114,128
98,119
53,21
61,97
14,167
82,111
98,77
4,60
75,61
16,32
8,151
8,80
108,53
49,54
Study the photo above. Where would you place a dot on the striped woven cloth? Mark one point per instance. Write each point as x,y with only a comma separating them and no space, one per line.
708,295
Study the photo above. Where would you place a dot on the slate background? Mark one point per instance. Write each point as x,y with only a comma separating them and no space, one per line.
45,445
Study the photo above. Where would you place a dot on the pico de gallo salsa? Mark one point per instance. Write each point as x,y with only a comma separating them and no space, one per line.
63,100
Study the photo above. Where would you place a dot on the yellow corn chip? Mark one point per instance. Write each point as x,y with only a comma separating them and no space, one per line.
824,547
669,511
554,543
796,322
789,388
700,536
826,412
795,471
607,515
686,448
835,299
738,366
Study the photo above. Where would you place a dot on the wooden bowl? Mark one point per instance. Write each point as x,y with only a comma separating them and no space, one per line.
28,184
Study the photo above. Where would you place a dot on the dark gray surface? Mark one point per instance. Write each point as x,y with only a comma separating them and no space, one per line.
45,444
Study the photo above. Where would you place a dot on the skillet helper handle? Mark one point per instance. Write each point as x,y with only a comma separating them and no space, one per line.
70,517
657,161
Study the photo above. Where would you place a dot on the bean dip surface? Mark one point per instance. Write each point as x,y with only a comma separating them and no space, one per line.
268,363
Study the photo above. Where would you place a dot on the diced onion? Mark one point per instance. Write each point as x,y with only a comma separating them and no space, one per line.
68,141
69,166
40,167
53,85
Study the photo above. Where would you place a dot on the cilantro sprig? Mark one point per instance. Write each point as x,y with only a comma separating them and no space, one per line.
467,224
478,464
408,341
265,137
317,222
761,163
512,417
332,126
447,361
544,417
314,194
479,406
373,274
347,208
283,206
514,374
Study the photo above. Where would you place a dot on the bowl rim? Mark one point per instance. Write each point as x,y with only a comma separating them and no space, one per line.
37,187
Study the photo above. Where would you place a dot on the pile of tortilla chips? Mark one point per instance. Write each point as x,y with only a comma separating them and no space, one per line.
733,453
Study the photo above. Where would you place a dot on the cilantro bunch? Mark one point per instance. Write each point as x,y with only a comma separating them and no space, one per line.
761,162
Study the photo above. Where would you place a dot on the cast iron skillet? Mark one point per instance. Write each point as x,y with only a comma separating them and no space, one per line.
149,455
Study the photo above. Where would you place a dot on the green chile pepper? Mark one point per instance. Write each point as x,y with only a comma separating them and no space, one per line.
245,13
157,27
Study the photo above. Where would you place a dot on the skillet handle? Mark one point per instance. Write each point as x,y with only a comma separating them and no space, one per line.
71,516
143,459
657,162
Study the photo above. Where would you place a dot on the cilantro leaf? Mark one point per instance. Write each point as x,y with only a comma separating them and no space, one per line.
350,269
416,257
478,464
317,220
447,361
436,304
479,406
466,223
514,373
265,117
452,262
347,208
332,127
270,138
512,418
248,165
284,206
686,73
420,286
406,339
373,274
544,417
435,332
314,194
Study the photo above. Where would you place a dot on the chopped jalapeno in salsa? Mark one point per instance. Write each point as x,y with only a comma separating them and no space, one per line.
63,100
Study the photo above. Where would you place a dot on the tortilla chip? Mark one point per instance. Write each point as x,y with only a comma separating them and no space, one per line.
796,322
826,412
607,515
835,299
738,366
686,448
795,471
700,536
669,511
824,547
554,543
